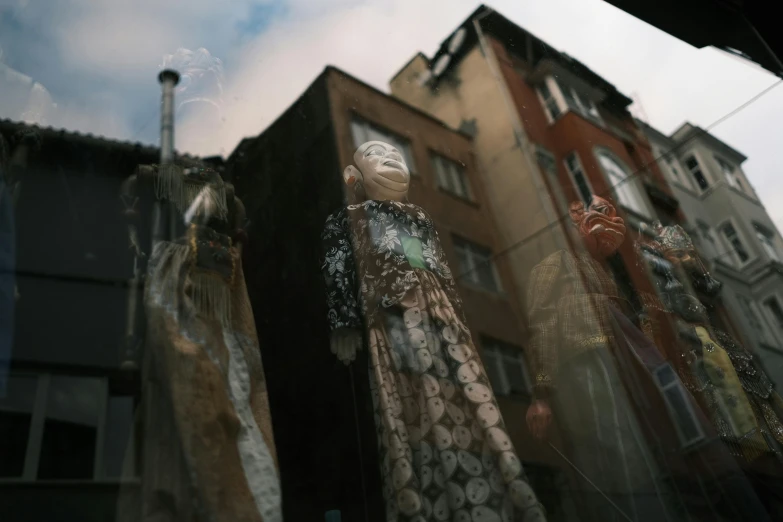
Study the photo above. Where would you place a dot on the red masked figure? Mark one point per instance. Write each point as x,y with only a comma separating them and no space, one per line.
572,299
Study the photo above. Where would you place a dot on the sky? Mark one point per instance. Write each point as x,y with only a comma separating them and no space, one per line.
99,59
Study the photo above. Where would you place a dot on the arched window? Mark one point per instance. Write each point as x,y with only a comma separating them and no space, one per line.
626,190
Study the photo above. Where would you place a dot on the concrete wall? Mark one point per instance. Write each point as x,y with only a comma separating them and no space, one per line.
523,211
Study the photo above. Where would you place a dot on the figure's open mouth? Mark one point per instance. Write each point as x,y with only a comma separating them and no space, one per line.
598,224
392,163
395,181
396,171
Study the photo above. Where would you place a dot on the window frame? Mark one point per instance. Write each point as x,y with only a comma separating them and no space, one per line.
736,261
492,350
458,243
700,166
753,313
707,233
629,184
550,167
37,426
572,176
672,166
559,96
402,143
776,324
439,162
553,97
584,110
729,175
676,383
767,239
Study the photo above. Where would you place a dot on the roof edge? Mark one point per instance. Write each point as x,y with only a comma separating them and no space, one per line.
398,101
410,61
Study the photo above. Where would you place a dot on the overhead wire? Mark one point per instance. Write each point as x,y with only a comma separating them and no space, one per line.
641,170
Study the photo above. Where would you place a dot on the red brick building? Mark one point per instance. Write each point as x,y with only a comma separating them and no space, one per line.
548,131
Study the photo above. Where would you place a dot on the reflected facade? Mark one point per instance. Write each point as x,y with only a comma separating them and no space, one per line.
490,294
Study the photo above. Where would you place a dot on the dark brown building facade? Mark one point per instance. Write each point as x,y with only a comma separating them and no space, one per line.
67,419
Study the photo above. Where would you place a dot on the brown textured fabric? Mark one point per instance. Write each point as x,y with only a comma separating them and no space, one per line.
193,419
568,297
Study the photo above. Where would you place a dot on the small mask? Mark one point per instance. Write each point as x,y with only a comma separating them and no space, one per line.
599,225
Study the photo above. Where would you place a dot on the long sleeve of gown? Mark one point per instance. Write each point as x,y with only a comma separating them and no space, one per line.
339,272
542,298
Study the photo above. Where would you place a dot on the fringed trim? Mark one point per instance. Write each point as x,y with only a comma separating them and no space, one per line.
168,183
166,259
211,296
215,198
172,184
208,291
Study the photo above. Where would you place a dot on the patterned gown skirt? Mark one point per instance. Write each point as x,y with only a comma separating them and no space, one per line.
445,453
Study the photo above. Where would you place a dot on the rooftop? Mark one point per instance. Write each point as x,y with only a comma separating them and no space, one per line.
524,44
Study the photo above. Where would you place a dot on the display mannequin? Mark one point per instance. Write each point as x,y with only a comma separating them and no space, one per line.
736,393
572,300
444,450
208,451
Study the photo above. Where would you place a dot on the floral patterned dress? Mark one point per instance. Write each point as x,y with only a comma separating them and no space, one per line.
445,453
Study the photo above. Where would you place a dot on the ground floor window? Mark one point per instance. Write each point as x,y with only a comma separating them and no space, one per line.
64,427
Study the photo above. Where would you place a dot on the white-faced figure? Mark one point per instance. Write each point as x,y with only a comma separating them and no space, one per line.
379,173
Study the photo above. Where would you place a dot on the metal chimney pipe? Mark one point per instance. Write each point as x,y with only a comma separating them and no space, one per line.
168,80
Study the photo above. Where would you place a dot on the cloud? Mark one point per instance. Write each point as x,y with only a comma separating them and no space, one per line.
99,60
370,39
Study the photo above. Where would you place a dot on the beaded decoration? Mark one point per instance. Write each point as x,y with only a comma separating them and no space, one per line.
182,185
213,264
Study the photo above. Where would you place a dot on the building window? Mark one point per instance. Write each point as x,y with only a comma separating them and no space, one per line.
546,160
625,188
706,232
773,307
695,169
735,243
476,265
767,240
578,177
16,417
505,365
558,98
58,427
364,131
581,104
755,320
551,107
729,173
671,165
451,176
680,409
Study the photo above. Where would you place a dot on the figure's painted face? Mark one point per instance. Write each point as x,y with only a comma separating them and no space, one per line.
678,248
385,176
600,226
